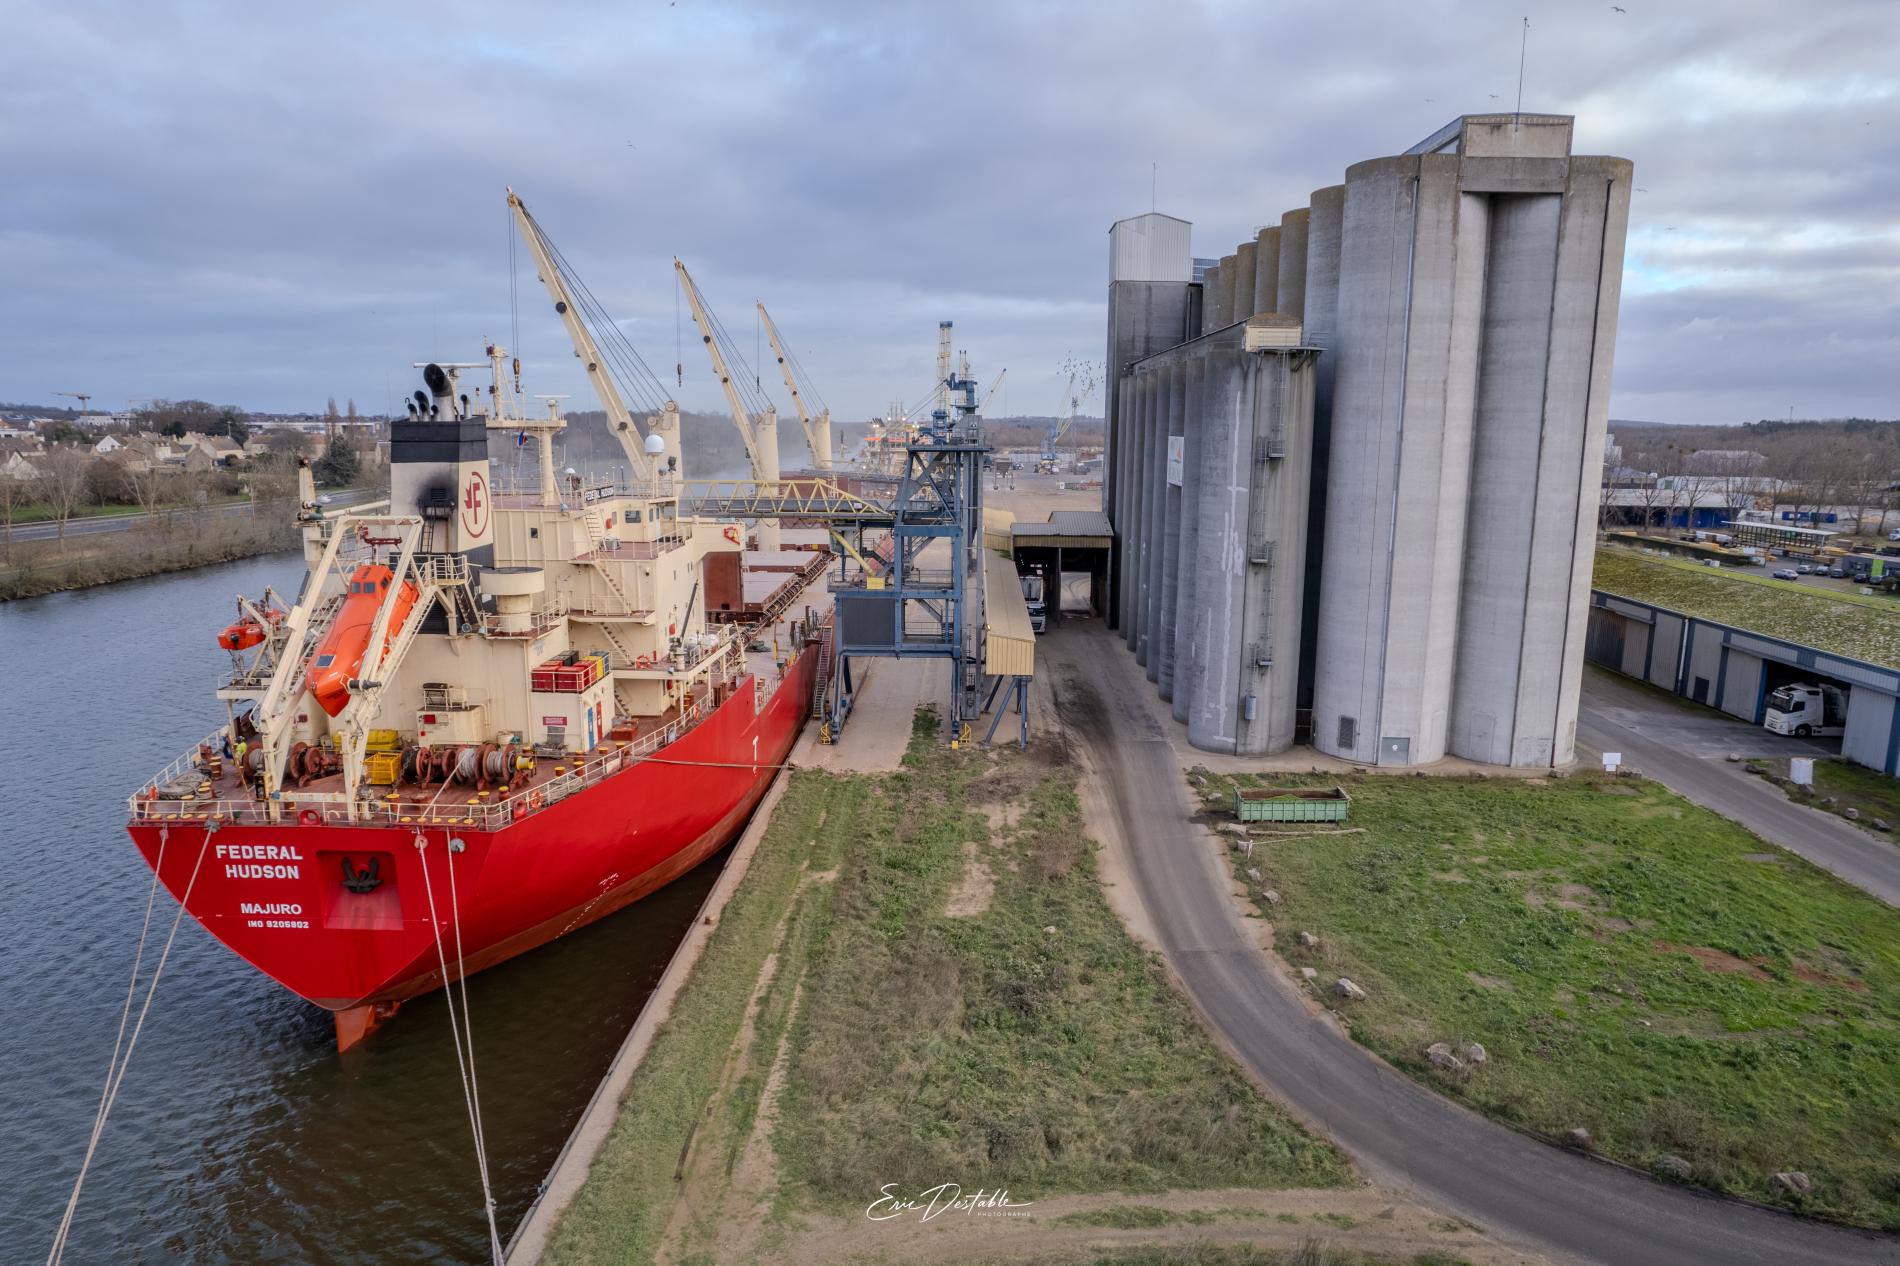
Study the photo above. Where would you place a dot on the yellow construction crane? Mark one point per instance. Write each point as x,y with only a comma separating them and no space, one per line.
817,429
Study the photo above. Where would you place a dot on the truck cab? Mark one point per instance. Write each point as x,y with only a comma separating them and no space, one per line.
1034,600
1804,710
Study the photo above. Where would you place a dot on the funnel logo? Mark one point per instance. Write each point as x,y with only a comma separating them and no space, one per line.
475,505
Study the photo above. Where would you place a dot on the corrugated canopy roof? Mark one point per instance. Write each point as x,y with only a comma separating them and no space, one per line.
1065,527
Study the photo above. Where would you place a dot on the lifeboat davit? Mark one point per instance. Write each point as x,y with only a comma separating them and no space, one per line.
338,658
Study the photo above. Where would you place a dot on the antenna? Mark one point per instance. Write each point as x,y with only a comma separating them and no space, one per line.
1522,47
1154,185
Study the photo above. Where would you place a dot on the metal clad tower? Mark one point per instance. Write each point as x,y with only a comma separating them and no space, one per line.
1150,284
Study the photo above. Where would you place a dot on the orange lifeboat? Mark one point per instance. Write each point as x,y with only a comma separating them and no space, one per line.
241,635
338,658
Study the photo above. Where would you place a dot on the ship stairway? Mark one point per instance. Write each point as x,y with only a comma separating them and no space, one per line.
827,653
597,558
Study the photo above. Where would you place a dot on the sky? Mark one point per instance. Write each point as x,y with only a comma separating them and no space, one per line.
270,205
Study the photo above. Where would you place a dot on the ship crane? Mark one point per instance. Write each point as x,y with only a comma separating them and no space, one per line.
817,429
664,420
989,395
758,427
1060,426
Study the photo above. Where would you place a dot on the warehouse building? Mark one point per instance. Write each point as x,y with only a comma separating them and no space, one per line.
1735,670
1388,416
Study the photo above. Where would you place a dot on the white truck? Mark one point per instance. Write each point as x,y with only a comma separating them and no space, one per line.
1805,710
1033,599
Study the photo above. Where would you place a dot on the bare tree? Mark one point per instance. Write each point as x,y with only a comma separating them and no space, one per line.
146,482
14,493
64,482
1663,462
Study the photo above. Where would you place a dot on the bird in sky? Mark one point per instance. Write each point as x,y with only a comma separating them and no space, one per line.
1619,8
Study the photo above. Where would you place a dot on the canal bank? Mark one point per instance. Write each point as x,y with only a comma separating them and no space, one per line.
918,982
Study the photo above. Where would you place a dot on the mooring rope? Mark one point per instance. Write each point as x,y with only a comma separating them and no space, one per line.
115,1071
455,1034
468,1023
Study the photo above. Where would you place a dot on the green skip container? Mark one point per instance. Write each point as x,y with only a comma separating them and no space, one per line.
1265,804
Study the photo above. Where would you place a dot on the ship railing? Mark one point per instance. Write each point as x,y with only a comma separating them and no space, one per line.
186,766
541,620
576,775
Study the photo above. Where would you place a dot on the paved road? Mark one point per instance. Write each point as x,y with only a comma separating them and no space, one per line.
1530,1195
1686,750
120,522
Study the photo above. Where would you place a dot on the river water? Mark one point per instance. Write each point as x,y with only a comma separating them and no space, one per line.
240,1135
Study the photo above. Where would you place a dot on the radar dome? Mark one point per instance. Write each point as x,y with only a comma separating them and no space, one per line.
655,446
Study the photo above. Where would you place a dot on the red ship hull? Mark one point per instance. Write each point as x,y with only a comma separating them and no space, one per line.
276,895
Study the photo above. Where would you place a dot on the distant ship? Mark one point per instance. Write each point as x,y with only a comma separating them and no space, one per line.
489,717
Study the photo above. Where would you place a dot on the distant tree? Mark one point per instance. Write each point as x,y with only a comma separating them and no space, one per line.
351,409
234,423
63,433
339,466
103,483
146,483
64,483
14,493
270,487
287,443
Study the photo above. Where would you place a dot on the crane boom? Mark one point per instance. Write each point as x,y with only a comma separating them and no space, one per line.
740,417
760,435
818,429
984,408
619,420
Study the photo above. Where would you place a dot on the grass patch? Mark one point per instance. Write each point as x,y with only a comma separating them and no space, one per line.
621,1211
1844,623
986,1050
1033,1046
1633,965
1841,785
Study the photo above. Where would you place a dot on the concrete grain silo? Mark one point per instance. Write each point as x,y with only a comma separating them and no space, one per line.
1444,449
1353,470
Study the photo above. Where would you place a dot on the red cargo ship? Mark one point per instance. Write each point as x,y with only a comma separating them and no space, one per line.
554,729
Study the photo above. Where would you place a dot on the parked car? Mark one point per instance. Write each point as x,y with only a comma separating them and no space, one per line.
1787,573
1837,571
1804,569
1711,562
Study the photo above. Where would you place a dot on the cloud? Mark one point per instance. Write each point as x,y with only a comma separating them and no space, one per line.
275,206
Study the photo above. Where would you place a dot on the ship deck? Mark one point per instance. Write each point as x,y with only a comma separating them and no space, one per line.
222,797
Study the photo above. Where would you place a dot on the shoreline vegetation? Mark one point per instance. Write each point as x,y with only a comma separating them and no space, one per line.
178,541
